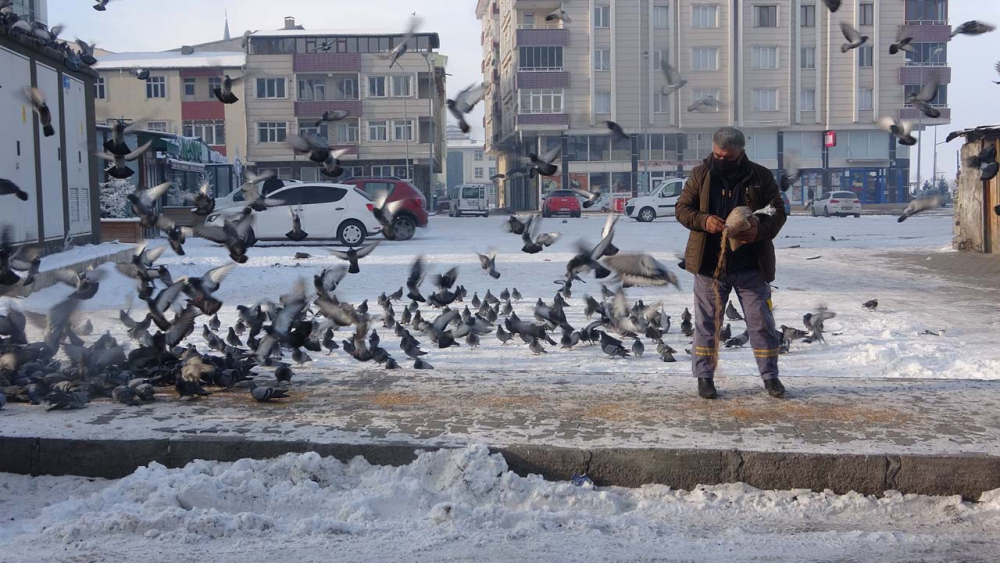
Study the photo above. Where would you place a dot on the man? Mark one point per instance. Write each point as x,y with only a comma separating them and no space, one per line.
727,180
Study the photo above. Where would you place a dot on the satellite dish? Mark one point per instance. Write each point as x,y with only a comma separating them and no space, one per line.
187,50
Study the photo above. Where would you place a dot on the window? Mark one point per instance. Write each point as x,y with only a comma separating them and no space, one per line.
273,88
540,58
540,101
493,171
765,16
376,190
156,126
213,83
602,59
528,20
864,99
478,155
807,16
102,92
212,132
402,130
189,85
703,93
659,56
376,87
377,131
271,132
156,87
602,17
941,100
402,86
865,54
347,132
934,54
312,89
927,11
866,14
309,195
764,58
808,101
808,57
764,99
705,58
478,172
311,129
347,89
661,103
660,17
703,16
602,102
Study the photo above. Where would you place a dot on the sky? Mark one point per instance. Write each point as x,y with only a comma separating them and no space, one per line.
154,25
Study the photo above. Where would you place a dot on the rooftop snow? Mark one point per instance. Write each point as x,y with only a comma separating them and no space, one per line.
171,59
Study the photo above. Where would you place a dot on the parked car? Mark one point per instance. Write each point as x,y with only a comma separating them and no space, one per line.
326,211
412,212
469,199
561,201
841,204
659,203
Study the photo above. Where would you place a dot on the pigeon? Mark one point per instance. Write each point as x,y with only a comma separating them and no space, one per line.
997,68
224,93
464,103
900,129
973,27
125,395
814,322
328,280
543,165
235,235
118,168
420,363
903,43
854,39
559,15
85,283
792,172
332,115
37,101
86,53
732,314
116,144
66,400
402,46
296,234
617,133
536,347
637,348
101,5
283,374
706,103
535,242
489,264
613,347
922,100
10,188
352,256
674,80
738,341
832,5
254,200
263,394
204,203
515,295
918,205
144,202
503,336
871,305
515,225
641,270
176,235
985,161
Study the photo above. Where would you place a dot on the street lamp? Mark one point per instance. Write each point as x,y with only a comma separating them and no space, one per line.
645,137
432,87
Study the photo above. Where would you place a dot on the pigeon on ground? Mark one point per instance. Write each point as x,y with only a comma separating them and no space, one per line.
464,103
125,395
613,347
854,39
814,322
871,305
263,394
732,314
420,363
738,341
637,348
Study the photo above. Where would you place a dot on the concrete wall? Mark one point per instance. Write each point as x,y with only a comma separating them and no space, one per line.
977,227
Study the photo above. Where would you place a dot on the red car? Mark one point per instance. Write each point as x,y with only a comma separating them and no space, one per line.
412,213
561,201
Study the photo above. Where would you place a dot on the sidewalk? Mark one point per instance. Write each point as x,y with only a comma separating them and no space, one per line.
926,436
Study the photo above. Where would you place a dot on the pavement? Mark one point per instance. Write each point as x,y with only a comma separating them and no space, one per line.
916,436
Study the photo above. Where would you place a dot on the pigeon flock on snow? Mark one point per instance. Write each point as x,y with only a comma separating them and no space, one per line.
65,370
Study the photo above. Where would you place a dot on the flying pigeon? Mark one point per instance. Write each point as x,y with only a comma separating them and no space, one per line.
464,103
854,39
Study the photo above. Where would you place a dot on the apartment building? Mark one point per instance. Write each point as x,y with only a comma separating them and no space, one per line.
776,66
32,10
397,114
177,98
468,162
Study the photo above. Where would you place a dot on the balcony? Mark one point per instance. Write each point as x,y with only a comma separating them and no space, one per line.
914,115
194,111
545,37
543,79
316,109
549,119
327,62
195,72
916,75
927,32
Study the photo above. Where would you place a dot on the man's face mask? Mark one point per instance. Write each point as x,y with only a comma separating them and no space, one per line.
726,163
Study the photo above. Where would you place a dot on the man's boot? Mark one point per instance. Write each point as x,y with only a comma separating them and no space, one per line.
706,388
774,388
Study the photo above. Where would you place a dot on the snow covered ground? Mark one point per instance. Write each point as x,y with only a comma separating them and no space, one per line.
464,505
849,270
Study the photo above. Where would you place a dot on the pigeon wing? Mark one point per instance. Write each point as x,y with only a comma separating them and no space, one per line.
849,32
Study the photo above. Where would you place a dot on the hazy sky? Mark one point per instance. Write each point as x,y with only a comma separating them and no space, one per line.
155,25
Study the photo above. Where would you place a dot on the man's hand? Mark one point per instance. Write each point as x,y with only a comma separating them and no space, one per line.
750,235
715,225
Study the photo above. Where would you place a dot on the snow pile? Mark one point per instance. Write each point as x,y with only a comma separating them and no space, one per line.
467,492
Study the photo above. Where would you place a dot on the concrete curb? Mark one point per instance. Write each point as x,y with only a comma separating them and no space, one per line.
968,475
48,278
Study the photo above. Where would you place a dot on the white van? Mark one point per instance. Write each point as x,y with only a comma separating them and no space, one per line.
469,199
660,203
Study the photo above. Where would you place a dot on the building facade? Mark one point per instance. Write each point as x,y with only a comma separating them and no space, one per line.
32,10
468,162
776,66
397,113
177,98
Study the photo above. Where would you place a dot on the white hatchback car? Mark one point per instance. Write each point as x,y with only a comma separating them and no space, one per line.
660,203
841,204
326,212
